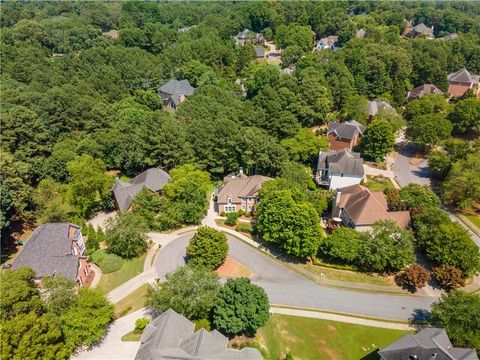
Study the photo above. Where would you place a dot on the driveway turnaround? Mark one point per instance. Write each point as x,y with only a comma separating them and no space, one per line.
406,173
286,287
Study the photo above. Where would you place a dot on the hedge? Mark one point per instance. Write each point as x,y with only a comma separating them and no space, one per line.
107,262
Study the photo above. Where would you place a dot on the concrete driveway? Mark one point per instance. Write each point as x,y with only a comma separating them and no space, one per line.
285,287
405,172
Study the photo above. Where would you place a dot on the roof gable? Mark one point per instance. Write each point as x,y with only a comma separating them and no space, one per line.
341,162
238,187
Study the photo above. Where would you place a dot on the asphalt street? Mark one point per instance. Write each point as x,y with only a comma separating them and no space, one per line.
285,287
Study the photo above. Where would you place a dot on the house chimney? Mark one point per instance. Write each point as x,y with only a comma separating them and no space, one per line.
240,171
181,98
336,202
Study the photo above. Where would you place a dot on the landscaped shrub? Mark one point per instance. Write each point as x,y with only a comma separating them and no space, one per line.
141,323
415,277
449,277
231,219
241,212
222,213
107,262
245,228
202,324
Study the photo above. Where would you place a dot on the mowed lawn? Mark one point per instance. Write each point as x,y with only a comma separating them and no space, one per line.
318,339
130,268
474,219
132,302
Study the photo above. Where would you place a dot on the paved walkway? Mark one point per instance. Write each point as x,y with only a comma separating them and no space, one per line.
98,275
112,347
98,221
340,318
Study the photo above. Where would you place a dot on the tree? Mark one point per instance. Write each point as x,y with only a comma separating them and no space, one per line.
304,146
388,249
88,183
415,277
394,200
208,248
293,226
58,294
428,130
378,140
146,205
459,314
50,198
231,219
125,236
189,291
240,307
462,186
449,277
428,104
86,320
415,196
6,207
465,115
439,163
343,244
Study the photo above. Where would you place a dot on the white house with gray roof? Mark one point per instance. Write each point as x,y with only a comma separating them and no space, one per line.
174,92
337,169
153,179
172,336
428,344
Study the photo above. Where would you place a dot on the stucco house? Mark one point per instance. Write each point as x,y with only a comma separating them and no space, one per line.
360,208
123,192
238,192
429,344
344,135
422,90
174,92
55,249
172,336
461,81
336,169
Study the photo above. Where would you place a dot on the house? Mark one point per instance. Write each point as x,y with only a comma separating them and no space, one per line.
461,81
249,37
336,169
360,208
153,179
55,249
360,34
422,90
344,135
174,92
329,42
239,192
375,106
419,30
260,53
111,34
451,36
430,344
172,336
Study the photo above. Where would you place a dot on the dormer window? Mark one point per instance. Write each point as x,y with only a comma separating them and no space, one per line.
229,200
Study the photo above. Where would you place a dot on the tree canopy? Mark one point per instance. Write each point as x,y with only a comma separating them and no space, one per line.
208,247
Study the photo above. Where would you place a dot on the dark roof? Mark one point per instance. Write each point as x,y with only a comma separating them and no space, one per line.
345,130
463,76
424,345
423,90
153,179
341,162
177,87
260,51
48,251
172,336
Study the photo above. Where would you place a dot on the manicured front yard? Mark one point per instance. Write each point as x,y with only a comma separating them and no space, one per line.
378,183
475,219
132,302
129,269
309,338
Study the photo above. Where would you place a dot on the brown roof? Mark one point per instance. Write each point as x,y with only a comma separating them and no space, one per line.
238,187
423,90
365,207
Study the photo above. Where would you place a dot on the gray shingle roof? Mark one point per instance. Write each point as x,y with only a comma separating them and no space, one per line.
424,345
423,29
178,87
260,51
48,251
463,76
375,106
239,186
341,162
172,336
153,179
345,130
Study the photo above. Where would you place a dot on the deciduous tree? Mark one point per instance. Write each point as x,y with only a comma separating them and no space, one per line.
208,248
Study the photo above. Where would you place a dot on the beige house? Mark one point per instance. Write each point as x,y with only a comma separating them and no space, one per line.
238,192
360,208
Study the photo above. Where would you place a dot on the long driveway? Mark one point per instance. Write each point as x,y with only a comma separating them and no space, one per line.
285,287
405,172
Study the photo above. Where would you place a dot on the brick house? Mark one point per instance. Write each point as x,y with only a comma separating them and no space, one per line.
344,135
238,192
461,81
55,249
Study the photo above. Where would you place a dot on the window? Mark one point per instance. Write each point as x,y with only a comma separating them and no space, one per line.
249,207
229,208
229,200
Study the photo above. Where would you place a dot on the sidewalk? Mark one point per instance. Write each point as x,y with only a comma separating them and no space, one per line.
340,318
131,285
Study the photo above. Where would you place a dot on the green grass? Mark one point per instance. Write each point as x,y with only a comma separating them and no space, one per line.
132,302
378,183
475,219
133,335
129,269
125,178
309,338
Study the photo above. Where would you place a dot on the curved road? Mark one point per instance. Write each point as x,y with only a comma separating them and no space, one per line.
285,287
